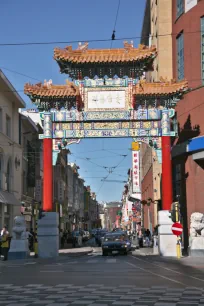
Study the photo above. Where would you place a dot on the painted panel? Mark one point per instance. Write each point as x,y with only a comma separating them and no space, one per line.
106,133
140,114
57,127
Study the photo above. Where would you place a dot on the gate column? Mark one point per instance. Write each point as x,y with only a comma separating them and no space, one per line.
167,185
167,241
47,164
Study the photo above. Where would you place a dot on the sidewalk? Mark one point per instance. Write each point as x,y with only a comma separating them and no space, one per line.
144,252
63,255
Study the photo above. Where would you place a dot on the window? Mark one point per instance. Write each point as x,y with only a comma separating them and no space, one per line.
8,126
8,176
180,8
180,57
1,120
202,49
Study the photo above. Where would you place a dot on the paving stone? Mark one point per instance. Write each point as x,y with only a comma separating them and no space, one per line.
99,304
17,304
125,297
43,302
123,303
165,304
94,297
58,304
80,303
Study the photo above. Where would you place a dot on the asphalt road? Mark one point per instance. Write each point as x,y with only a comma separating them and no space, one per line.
96,280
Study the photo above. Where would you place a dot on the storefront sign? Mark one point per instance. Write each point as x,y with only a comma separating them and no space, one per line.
135,172
189,4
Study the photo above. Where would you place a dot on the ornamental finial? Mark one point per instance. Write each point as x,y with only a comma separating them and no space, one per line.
83,47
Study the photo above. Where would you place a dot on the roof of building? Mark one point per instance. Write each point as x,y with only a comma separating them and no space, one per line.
84,55
163,87
49,90
10,91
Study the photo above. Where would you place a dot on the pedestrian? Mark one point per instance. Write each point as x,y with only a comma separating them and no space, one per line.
5,244
4,229
29,237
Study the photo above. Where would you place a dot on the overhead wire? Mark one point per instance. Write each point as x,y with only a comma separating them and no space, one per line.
93,40
114,28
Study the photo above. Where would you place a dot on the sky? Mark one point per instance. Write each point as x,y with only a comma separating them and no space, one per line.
57,21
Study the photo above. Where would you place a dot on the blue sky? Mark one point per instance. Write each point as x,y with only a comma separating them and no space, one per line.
66,20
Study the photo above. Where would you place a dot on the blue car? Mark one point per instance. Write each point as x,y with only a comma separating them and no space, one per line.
116,243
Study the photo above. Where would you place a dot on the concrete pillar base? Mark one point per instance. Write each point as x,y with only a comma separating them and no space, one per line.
48,235
167,241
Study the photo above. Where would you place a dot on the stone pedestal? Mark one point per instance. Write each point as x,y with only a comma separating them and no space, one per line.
196,248
48,235
19,243
18,249
167,241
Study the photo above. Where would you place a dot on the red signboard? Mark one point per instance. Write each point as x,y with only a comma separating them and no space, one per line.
177,229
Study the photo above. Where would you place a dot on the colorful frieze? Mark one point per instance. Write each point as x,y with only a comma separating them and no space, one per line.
106,133
140,114
105,125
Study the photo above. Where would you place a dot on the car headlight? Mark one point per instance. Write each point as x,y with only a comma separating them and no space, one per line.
124,246
105,247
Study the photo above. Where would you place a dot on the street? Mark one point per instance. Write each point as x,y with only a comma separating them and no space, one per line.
96,280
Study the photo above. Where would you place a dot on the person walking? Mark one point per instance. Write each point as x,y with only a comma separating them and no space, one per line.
5,244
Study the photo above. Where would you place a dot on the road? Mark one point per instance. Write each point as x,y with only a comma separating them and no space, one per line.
102,281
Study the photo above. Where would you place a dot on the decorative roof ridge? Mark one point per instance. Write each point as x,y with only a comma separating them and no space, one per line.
47,87
69,52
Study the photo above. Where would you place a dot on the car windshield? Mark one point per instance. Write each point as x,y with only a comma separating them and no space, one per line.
114,238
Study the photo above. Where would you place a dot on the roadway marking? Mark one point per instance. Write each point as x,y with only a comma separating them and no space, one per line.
168,269
169,279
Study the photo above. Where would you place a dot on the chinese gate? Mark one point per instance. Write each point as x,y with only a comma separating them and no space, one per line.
107,97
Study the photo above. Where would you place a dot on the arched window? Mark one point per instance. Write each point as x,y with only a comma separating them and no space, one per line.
8,175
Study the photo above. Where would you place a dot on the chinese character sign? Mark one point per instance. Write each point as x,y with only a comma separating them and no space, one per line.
135,172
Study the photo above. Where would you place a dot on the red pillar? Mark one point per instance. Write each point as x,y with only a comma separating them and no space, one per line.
47,175
167,187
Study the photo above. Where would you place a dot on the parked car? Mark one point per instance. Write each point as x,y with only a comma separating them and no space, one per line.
100,234
93,232
115,243
86,235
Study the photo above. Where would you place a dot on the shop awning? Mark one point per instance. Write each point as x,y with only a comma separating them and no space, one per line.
8,198
134,197
192,146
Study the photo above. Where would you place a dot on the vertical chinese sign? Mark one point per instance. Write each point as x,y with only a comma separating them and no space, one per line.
135,168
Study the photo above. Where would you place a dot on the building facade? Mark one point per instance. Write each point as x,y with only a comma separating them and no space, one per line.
188,149
10,153
32,174
156,30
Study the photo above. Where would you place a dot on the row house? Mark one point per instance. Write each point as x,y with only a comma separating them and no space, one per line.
10,153
32,172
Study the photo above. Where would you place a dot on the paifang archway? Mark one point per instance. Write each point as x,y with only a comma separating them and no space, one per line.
107,97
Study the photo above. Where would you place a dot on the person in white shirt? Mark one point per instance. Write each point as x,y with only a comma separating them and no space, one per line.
4,230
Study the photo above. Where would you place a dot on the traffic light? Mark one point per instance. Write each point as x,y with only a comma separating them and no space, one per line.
41,213
175,212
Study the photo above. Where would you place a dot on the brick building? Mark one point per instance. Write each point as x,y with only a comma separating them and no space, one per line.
188,149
